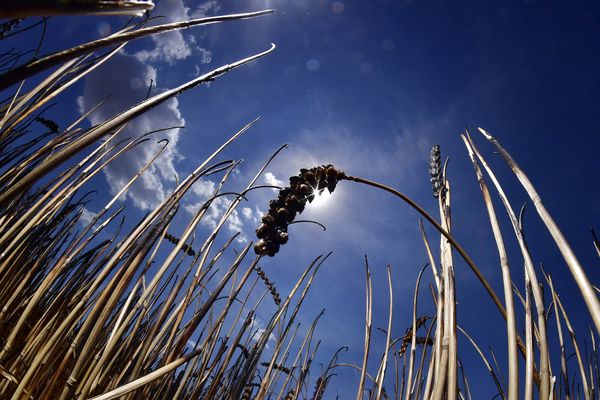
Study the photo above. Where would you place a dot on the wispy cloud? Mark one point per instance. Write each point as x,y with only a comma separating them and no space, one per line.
395,155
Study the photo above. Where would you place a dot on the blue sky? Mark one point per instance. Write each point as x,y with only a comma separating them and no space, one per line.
370,86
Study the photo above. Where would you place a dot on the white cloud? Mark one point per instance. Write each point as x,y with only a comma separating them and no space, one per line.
169,46
202,190
86,216
257,328
249,214
204,56
271,179
206,8
173,46
126,80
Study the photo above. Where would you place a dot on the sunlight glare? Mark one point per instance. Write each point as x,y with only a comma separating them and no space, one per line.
321,200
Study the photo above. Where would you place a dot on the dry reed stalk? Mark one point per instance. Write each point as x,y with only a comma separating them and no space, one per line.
434,269
304,353
147,378
51,87
563,358
27,70
262,391
447,265
437,353
440,229
304,344
209,241
250,363
382,368
529,358
465,381
283,361
99,315
39,210
511,326
559,307
155,281
323,380
544,363
27,8
17,110
575,267
413,339
47,282
419,380
136,326
173,254
207,368
95,327
485,361
368,321
70,189
318,179
596,242
281,214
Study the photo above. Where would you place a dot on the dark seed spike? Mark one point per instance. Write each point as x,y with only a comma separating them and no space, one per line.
290,202
270,285
303,190
435,170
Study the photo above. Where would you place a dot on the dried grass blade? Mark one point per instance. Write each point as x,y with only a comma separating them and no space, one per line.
413,341
511,325
587,291
485,361
146,379
544,374
368,321
23,72
382,368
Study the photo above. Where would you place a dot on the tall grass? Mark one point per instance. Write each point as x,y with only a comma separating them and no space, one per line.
101,313
148,312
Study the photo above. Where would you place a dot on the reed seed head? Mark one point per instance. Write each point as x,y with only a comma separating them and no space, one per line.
272,233
435,170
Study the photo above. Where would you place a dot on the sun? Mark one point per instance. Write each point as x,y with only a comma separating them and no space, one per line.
322,199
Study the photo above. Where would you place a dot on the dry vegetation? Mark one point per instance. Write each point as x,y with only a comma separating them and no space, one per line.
101,313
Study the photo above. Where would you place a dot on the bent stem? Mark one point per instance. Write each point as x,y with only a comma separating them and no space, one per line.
437,226
451,240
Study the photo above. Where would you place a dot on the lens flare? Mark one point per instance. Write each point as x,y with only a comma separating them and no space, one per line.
321,199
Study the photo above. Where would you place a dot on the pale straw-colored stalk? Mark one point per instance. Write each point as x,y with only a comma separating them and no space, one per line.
368,322
575,267
511,325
